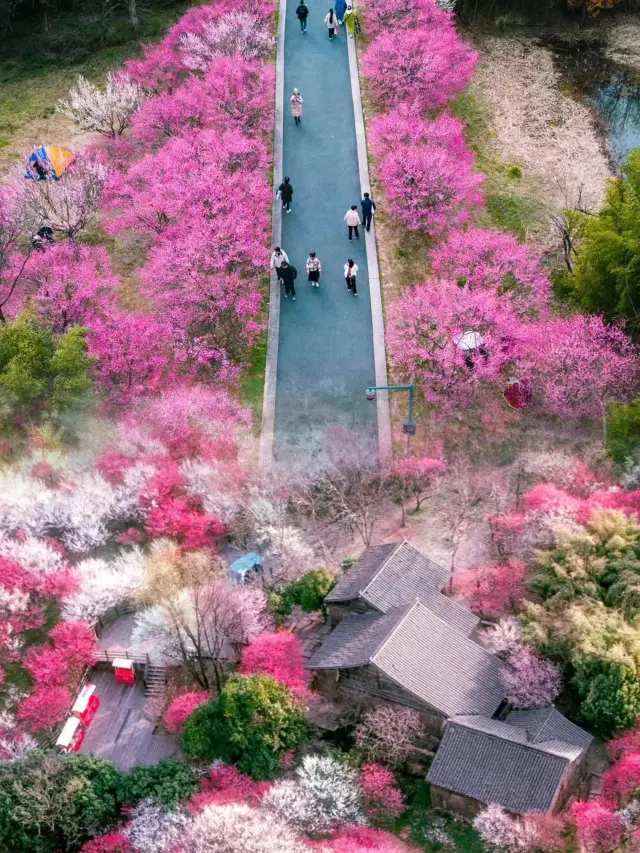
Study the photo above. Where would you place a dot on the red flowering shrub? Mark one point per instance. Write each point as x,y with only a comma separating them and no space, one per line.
620,782
111,843
493,590
112,465
382,798
224,785
45,707
280,656
599,828
181,708
625,744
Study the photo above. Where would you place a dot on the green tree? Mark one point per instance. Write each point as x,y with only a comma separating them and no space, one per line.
42,375
606,274
309,592
254,722
168,783
623,434
51,802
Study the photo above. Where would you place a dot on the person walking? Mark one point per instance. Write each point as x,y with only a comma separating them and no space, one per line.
277,258
296,106
331,21
350,21
288,275
314,268
303,13
352,218
368,207
341,8
350,273
285,191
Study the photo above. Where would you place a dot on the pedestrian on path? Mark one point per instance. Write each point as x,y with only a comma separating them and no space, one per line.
288,274
296,106
341,8
277,258
285,192
350,21
350,273
302,12
314,268
368,206
352,218
331,21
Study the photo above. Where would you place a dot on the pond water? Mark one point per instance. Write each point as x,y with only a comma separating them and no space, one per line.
611,88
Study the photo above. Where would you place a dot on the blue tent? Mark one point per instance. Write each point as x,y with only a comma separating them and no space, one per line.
248,563
48,161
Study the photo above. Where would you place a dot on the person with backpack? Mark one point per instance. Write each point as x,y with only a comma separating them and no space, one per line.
288,275
331,21
285,192
303,13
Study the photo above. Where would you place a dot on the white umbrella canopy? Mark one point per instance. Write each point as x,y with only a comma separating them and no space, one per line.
468,341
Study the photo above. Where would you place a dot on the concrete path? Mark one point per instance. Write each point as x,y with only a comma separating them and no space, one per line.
325,352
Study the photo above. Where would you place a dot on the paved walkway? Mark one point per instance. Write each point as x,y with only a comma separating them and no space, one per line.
325,357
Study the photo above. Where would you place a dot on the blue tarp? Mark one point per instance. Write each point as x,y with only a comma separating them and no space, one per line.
246,564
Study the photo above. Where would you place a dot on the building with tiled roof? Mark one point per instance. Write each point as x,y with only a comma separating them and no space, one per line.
531,762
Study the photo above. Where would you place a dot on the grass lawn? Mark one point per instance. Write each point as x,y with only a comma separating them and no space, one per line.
39,67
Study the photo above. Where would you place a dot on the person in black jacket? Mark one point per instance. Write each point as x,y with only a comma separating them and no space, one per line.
288,274
302,12
368,206
286,194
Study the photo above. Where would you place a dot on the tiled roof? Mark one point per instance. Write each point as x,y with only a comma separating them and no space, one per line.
492,768
422,654
547,724
440,665
450,612
388,576
355,640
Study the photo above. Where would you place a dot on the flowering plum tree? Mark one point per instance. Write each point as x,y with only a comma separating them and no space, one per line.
181,707
599,828
239,829
280,656
423,13
14,223
382,798
502,832
493,590
426,66
238,33
106,111
621,782
529,681
388,733
224,785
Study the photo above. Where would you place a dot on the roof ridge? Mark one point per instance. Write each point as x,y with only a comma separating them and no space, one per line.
527,744
392,554
546,720
407,610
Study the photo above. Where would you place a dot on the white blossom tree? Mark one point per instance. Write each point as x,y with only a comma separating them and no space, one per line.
239,829
501,832
105,584
324,795
504,637
67,206
154,830
235,33
107,111
387,733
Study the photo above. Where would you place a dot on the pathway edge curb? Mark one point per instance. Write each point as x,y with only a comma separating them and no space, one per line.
377,315
271,368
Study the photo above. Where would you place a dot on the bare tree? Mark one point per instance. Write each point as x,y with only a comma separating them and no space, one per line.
15,249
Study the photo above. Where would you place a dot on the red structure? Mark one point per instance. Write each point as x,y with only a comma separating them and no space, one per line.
71,737
124,671
86,705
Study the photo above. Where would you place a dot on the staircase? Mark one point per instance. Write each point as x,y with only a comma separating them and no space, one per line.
155,678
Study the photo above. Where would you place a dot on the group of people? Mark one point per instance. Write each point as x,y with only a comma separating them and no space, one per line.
341,13
287,273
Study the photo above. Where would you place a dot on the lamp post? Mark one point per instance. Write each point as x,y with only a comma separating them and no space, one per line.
408,426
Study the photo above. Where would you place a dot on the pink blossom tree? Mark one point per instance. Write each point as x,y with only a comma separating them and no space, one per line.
15,252
224,785
383,800
280,656
529,681
421,14
415,476
622,781
182,707
599,828
493,590
426,67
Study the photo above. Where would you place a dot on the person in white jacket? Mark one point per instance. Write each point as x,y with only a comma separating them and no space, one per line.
350,273
352,218
277,257
314,268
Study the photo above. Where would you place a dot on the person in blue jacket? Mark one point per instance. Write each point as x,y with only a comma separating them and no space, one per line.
340,9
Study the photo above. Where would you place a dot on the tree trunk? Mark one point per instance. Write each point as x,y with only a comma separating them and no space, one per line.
133,14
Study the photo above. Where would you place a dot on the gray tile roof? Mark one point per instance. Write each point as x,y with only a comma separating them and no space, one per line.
440,665
450,612
491,768
388,576
355,641
547,724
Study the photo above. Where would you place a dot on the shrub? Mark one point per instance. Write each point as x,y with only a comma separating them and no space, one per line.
383,800
253,724
280,656
181,708
168,783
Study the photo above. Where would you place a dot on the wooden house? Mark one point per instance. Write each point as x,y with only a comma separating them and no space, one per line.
533,761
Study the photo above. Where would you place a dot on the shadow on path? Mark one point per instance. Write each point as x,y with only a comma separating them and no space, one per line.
325,356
